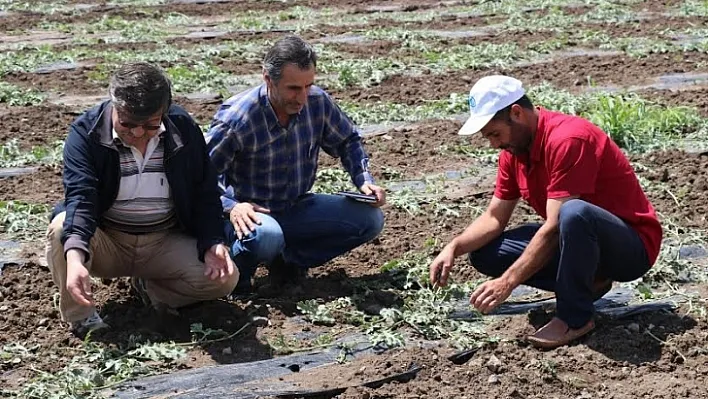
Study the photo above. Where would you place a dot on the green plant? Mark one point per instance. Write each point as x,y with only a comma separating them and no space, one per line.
98,367
16,353
384,112
200,334
486,55
52,7
634,123
16,96
11,156
694,8
282,345
332,180
407,200
23,221
328,314
200,77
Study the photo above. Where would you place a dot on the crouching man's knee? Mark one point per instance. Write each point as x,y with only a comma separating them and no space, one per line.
374,224
486,261
215,289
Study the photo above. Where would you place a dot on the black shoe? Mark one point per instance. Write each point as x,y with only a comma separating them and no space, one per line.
281,273
282,276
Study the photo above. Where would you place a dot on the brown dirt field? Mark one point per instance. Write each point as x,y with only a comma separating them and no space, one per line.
696,98
569,73
616,361
35,126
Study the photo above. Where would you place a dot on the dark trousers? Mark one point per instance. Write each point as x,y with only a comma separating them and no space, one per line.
592,243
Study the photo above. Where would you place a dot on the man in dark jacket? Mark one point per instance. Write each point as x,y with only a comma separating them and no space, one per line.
141,200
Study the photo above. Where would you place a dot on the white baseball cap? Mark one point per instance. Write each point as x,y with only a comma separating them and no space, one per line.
488,96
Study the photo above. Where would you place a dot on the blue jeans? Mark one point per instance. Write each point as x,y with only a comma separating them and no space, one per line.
316,229
592,243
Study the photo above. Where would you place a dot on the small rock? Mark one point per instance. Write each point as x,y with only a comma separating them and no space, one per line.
494,364
633,327
493,379
43,322
227,351
4,308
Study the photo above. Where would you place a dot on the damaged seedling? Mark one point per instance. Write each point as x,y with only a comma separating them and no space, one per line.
99,367
19,97
12,156
22,221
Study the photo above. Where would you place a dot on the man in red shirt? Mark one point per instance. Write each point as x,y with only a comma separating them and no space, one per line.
599,226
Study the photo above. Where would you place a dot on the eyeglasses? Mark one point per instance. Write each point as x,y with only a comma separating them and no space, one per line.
146,127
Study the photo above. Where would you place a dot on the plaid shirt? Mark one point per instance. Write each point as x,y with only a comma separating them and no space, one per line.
262,162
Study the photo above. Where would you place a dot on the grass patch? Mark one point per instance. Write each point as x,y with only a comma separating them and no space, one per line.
633,123
636,124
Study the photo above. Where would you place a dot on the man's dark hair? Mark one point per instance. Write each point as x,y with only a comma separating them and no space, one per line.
140,90
505,113
288,50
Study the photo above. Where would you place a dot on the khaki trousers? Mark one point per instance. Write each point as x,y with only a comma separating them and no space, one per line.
167,261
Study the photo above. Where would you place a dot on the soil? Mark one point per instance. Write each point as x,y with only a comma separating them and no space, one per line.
35,126
620,359
44,186
58,82
571,73
612,362
695,97
685,178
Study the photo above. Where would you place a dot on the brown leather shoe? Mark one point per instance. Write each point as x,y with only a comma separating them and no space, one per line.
557,333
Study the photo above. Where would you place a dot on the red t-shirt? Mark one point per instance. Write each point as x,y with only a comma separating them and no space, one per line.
570,156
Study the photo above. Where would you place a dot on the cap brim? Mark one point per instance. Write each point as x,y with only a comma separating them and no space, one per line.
474,124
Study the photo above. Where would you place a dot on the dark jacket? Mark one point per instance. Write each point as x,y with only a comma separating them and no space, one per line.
92,178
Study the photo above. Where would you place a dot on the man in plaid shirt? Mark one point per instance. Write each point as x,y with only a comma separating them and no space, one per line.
265,143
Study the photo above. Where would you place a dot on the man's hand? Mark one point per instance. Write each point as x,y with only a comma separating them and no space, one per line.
218,263
491,294
243,216
78,280
441,266
372,189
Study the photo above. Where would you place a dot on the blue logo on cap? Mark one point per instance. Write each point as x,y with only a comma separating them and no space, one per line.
473,103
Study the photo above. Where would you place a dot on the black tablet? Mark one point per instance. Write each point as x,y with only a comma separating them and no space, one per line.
358,196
